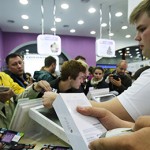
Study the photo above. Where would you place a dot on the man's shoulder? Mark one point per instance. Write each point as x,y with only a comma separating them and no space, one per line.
13,76
7,72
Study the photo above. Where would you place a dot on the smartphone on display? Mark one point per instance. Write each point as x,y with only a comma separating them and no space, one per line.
52,147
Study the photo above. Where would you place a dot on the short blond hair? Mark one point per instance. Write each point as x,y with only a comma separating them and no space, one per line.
140,9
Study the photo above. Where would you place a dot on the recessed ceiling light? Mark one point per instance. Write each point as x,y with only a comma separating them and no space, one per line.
92,32
25,17
111,34
25,27
128,36
92,10
120,51
127,48
24,2
72,30
131,56
118,14
137,52
138,55
136,49
124,27
58,19
53,29
80,22
104,24
64,6
128,52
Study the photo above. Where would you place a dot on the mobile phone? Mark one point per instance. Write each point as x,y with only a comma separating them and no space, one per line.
54,147
116,77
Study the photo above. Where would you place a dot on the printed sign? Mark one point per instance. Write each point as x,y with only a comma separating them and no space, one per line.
105,48
48,44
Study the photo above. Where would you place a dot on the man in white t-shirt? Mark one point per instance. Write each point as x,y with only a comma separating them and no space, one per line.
135,101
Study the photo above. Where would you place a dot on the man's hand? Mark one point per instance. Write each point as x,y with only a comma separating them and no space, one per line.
141,122
115,82
138,140
108,119
4,96
48,99
42,85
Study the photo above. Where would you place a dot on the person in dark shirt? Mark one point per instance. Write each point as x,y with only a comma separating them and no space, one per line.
118,80
139,71
72,75
47,71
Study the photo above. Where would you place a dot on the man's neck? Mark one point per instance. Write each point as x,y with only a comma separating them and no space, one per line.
64,86
48,70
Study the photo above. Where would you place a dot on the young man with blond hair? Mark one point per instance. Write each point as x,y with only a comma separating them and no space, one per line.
132,103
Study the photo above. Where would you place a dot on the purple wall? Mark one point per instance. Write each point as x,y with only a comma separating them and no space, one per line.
71,45
1,49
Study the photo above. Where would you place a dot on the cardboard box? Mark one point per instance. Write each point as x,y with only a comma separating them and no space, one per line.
79,129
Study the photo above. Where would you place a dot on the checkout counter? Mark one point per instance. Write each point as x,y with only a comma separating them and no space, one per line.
40,125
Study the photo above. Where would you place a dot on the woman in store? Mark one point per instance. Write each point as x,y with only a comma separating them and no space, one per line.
97,82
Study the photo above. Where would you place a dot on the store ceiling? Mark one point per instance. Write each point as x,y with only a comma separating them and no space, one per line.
11,21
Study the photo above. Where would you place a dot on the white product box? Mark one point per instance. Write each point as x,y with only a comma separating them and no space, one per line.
80,129
49,120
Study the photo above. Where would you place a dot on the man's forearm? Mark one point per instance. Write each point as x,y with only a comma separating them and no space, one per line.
115,107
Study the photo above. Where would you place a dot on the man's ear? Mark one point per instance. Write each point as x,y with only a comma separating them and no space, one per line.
69,78
53,64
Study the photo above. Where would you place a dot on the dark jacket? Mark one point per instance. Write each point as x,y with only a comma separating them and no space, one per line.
22,82
126,81
100,85
55,85
43,75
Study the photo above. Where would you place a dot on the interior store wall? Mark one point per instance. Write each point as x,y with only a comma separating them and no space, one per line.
1,49
72,45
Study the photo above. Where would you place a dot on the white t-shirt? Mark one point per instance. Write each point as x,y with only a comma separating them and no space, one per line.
136,99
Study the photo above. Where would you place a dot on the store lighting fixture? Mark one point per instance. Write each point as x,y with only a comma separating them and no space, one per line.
118,14
25,27
80,22
25,17
124,27
24,2
104,24
58,19
64,6
128,36
111,34
53,29
72,30
92,32
92,10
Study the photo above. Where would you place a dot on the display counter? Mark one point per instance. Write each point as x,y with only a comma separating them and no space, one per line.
41,139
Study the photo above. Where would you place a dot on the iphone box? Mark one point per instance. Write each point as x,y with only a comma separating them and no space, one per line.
80,129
